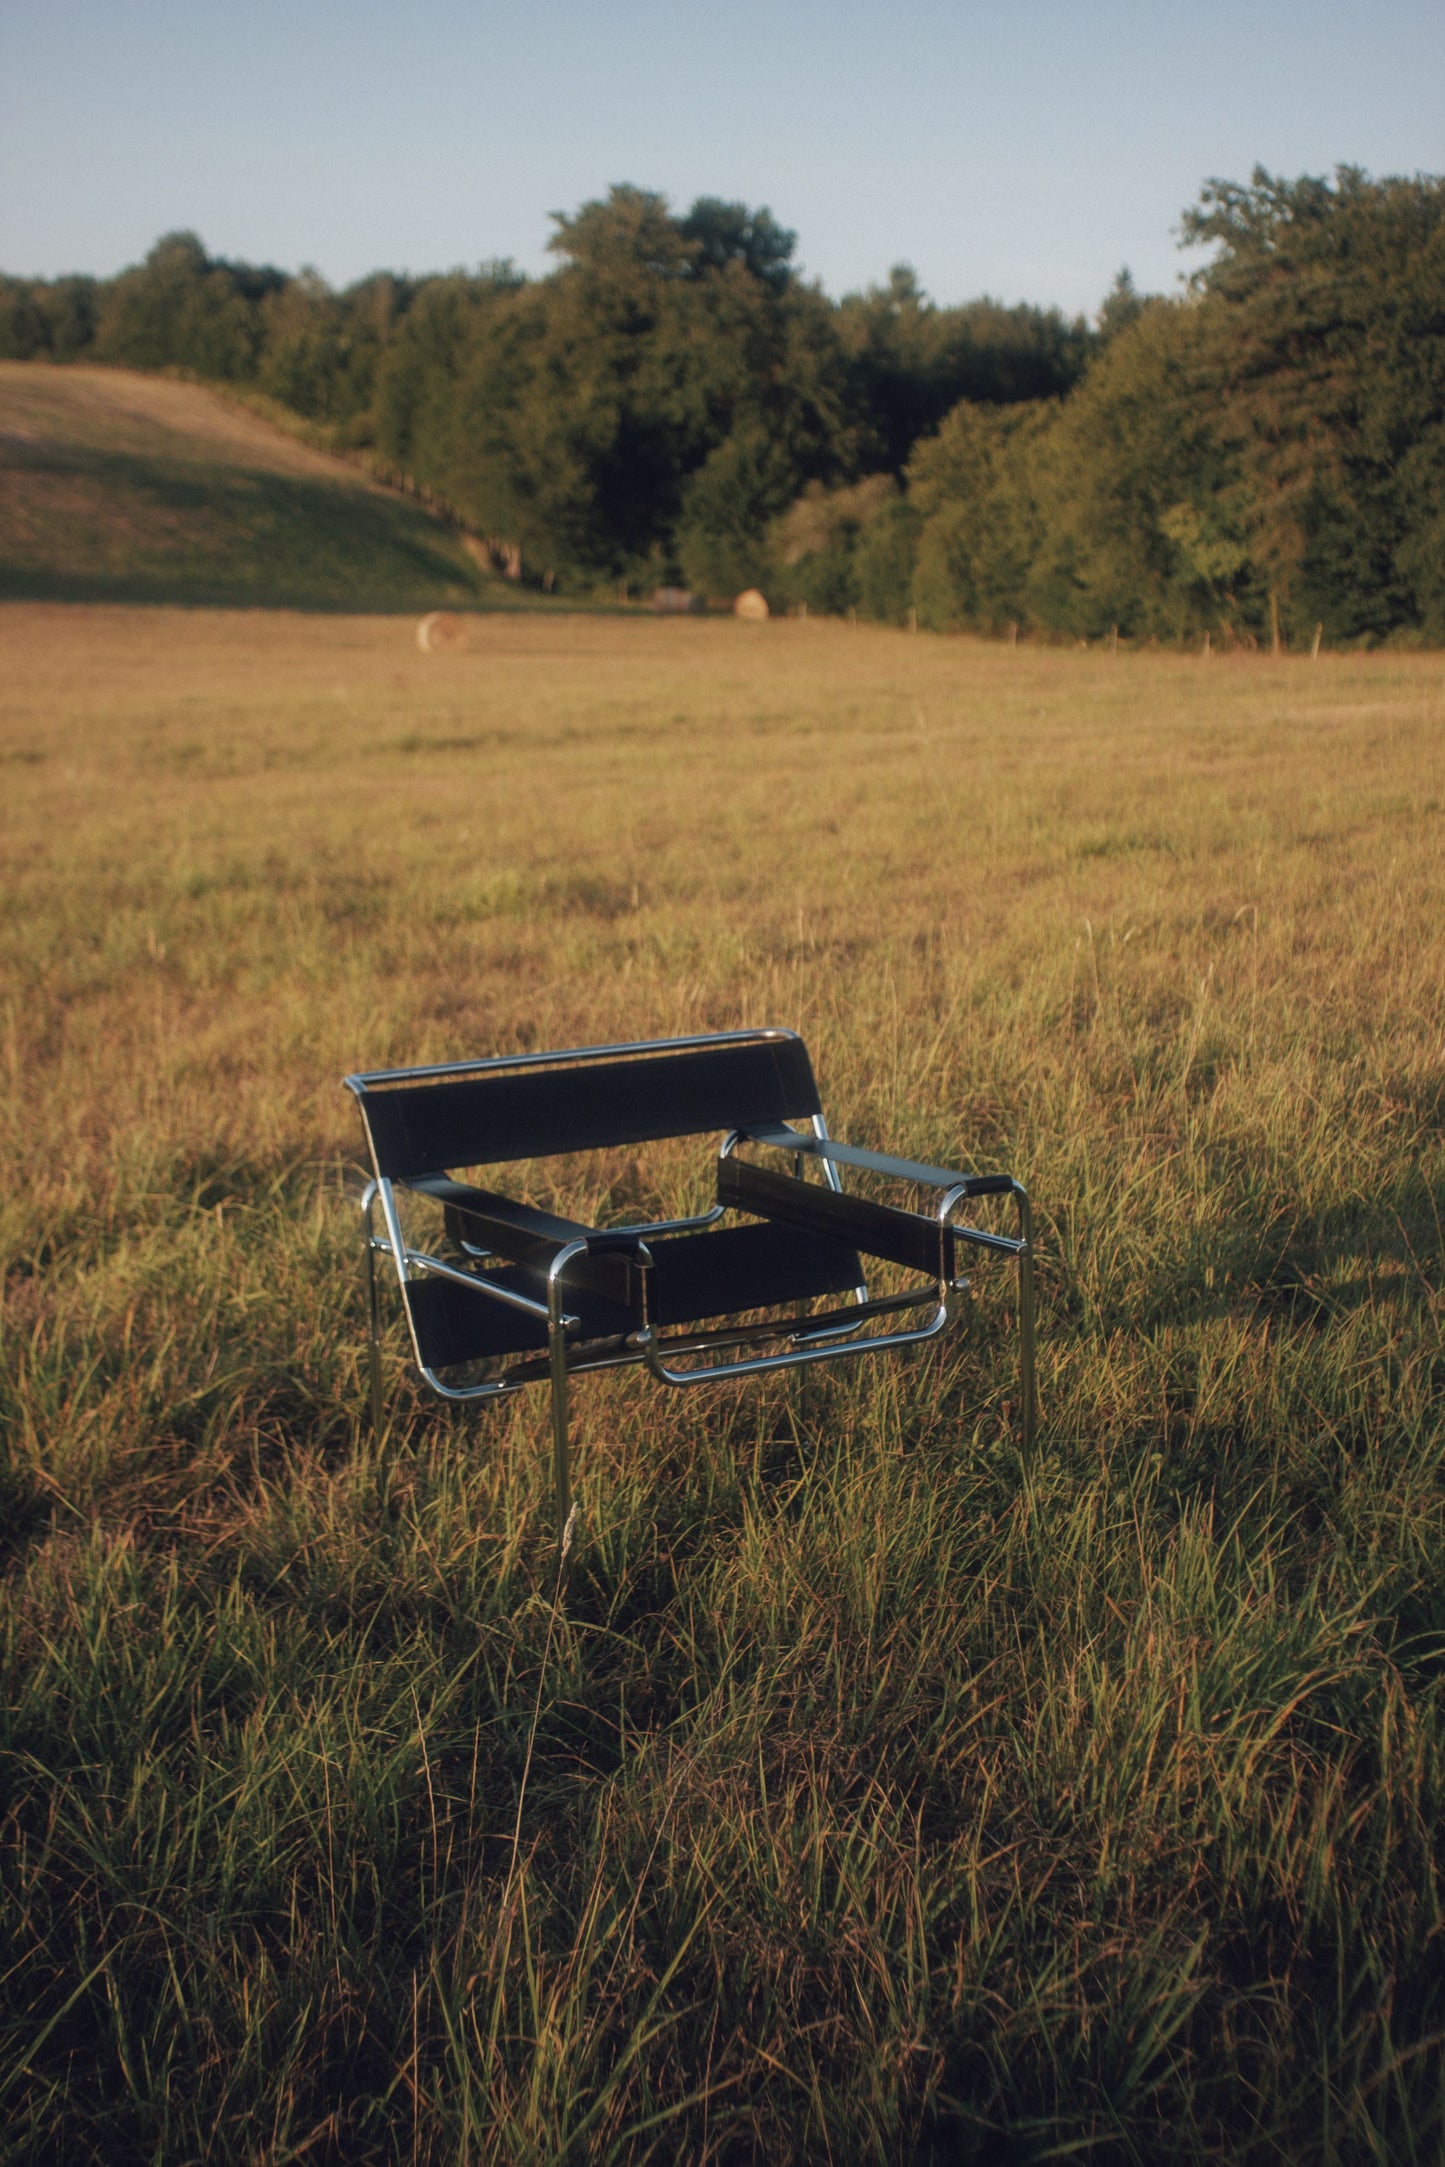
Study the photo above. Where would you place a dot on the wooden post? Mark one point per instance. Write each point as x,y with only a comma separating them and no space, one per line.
1113,639
1315,643
913,620
1013,634
1273,622
1206,649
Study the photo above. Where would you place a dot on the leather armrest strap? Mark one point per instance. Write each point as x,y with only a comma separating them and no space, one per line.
520,1232
879,1230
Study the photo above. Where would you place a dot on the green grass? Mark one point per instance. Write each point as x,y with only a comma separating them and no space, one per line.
117,487
888,1796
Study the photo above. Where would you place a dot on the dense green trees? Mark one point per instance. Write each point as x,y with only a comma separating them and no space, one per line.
673,401
53,320
180,309
912,362
1262,457
1324,333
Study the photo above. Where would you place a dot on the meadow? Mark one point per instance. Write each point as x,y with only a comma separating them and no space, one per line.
889,1794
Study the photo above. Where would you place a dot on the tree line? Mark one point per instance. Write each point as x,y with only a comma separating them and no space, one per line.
673,403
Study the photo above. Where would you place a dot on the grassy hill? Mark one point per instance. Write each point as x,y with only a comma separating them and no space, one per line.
128,488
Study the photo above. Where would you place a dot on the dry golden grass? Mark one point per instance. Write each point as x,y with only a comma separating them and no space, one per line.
317,848
891,1797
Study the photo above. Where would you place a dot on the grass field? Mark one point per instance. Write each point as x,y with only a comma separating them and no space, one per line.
891,1796
119,487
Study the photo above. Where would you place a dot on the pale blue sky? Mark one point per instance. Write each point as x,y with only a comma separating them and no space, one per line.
1025,150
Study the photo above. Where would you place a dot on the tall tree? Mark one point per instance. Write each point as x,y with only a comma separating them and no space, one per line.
1324,343
657,399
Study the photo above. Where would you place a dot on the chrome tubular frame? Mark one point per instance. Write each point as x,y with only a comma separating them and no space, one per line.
373,1316
835,1351
557,1364
410,1262
835,1339
956,1190
842,1339
1021,1248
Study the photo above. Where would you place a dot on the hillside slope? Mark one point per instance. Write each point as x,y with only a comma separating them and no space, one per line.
121,487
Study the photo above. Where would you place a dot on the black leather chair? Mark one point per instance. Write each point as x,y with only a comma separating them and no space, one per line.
529,1296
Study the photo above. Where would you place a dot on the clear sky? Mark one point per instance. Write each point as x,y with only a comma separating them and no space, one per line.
1024,149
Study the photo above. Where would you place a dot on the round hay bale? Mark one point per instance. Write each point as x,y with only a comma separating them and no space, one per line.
441,633
751,606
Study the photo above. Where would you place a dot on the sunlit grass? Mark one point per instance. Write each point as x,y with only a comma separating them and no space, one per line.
889,1797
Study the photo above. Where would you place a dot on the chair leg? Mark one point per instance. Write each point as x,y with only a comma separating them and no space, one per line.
561,1463
1028,1375
1027,1378
557,1363
373,1335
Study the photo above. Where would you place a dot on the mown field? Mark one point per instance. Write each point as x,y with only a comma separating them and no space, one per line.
888,1795
120,487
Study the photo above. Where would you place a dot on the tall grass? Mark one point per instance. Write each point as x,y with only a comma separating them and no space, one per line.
886,1795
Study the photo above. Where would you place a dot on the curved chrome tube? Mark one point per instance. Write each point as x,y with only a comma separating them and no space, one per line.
755,1365
495,1388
